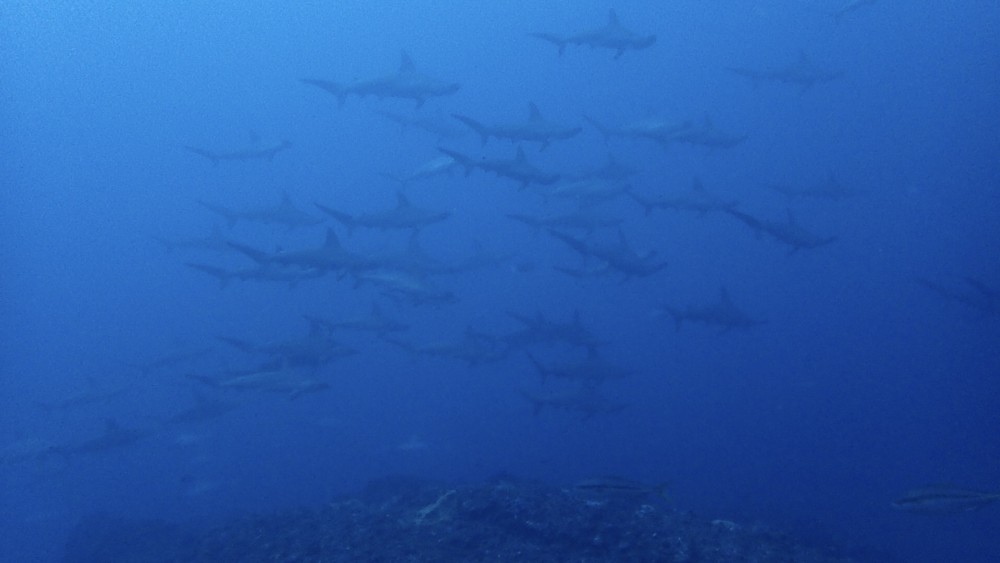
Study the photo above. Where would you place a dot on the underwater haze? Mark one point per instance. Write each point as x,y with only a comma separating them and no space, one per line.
260,253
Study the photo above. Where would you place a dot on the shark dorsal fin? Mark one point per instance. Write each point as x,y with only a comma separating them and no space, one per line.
405,62
697,185
533,113
402,200
111,426
331,239
520,154
612,17
791,217
286,200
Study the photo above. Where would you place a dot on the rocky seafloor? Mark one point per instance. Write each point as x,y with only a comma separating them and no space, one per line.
404,520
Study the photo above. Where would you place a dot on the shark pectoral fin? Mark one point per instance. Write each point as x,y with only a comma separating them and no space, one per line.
619,53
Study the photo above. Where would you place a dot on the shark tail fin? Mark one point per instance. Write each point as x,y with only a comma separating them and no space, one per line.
397,179
204,153
536,404
604,130
331,240
535,224
551,38
346,219
519,156
334,88
462,160
222,275
647,206
227,214
542,370
257,256
476,126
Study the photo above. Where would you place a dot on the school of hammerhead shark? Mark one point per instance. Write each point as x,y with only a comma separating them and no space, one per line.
403,283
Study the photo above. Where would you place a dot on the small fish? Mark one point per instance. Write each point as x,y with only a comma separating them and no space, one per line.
619,486
944,499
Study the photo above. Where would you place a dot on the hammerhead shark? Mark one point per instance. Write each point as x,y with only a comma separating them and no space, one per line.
611,36
517,168
404,216
591,370
285,213
332,256
114,437
582,219
586,400
281,380
788,232
241,155
850,8
535,129
618,256
802,73
696,199
723,313
407,83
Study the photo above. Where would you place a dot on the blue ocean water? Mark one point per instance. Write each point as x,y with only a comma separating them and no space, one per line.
874,370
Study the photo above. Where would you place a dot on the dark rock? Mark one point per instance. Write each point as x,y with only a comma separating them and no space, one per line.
401,519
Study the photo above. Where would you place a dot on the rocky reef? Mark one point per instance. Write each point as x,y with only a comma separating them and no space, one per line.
405,520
